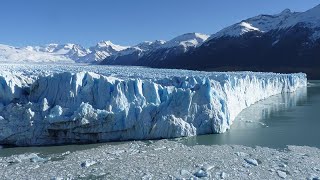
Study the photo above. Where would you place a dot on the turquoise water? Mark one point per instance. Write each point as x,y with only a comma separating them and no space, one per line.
286,119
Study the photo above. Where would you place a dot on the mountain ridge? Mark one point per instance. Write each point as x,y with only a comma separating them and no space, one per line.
285,42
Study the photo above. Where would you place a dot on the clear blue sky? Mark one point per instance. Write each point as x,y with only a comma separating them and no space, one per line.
126,22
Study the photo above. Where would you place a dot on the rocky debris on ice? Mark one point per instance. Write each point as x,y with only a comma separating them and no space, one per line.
185,162
54,104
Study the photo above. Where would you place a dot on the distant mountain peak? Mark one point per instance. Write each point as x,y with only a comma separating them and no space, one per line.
102,50
107,44
266,23
148,45
285,12
188,36
187,40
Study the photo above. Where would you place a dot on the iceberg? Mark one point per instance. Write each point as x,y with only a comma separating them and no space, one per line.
56,104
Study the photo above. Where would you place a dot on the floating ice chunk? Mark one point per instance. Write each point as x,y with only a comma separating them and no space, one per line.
242,154
88,163
251,161
147,176
57,178
117,152
184,172
177,163
283,165
38,159
223,175
66,153
207,167
282,174
31,157
160,148
313,177
201,173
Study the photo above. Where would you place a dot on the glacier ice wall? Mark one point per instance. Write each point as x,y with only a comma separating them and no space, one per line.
82,107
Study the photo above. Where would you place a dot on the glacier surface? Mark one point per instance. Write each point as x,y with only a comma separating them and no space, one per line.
56,104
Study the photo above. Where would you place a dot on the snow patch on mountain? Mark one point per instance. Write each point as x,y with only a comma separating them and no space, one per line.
142,48
54,53
53,104
101,51
178,45
187,40
108,45
28,54
265,23
238,30
148,45
72,51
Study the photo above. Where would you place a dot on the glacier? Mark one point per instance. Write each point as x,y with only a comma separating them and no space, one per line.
49,104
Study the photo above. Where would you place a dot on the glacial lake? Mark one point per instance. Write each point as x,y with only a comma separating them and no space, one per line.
281,120
285,119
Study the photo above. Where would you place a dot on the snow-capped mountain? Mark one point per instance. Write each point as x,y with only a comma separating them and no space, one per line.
101,51
249,44
104,51
140,48
56,53
266,23
285,42
72,51
187,40
147,53
47,53
148,45
30,54
132,54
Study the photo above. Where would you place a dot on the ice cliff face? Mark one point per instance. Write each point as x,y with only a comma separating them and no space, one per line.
45,106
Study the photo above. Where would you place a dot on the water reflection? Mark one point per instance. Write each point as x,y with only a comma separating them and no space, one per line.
260,113
285,119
